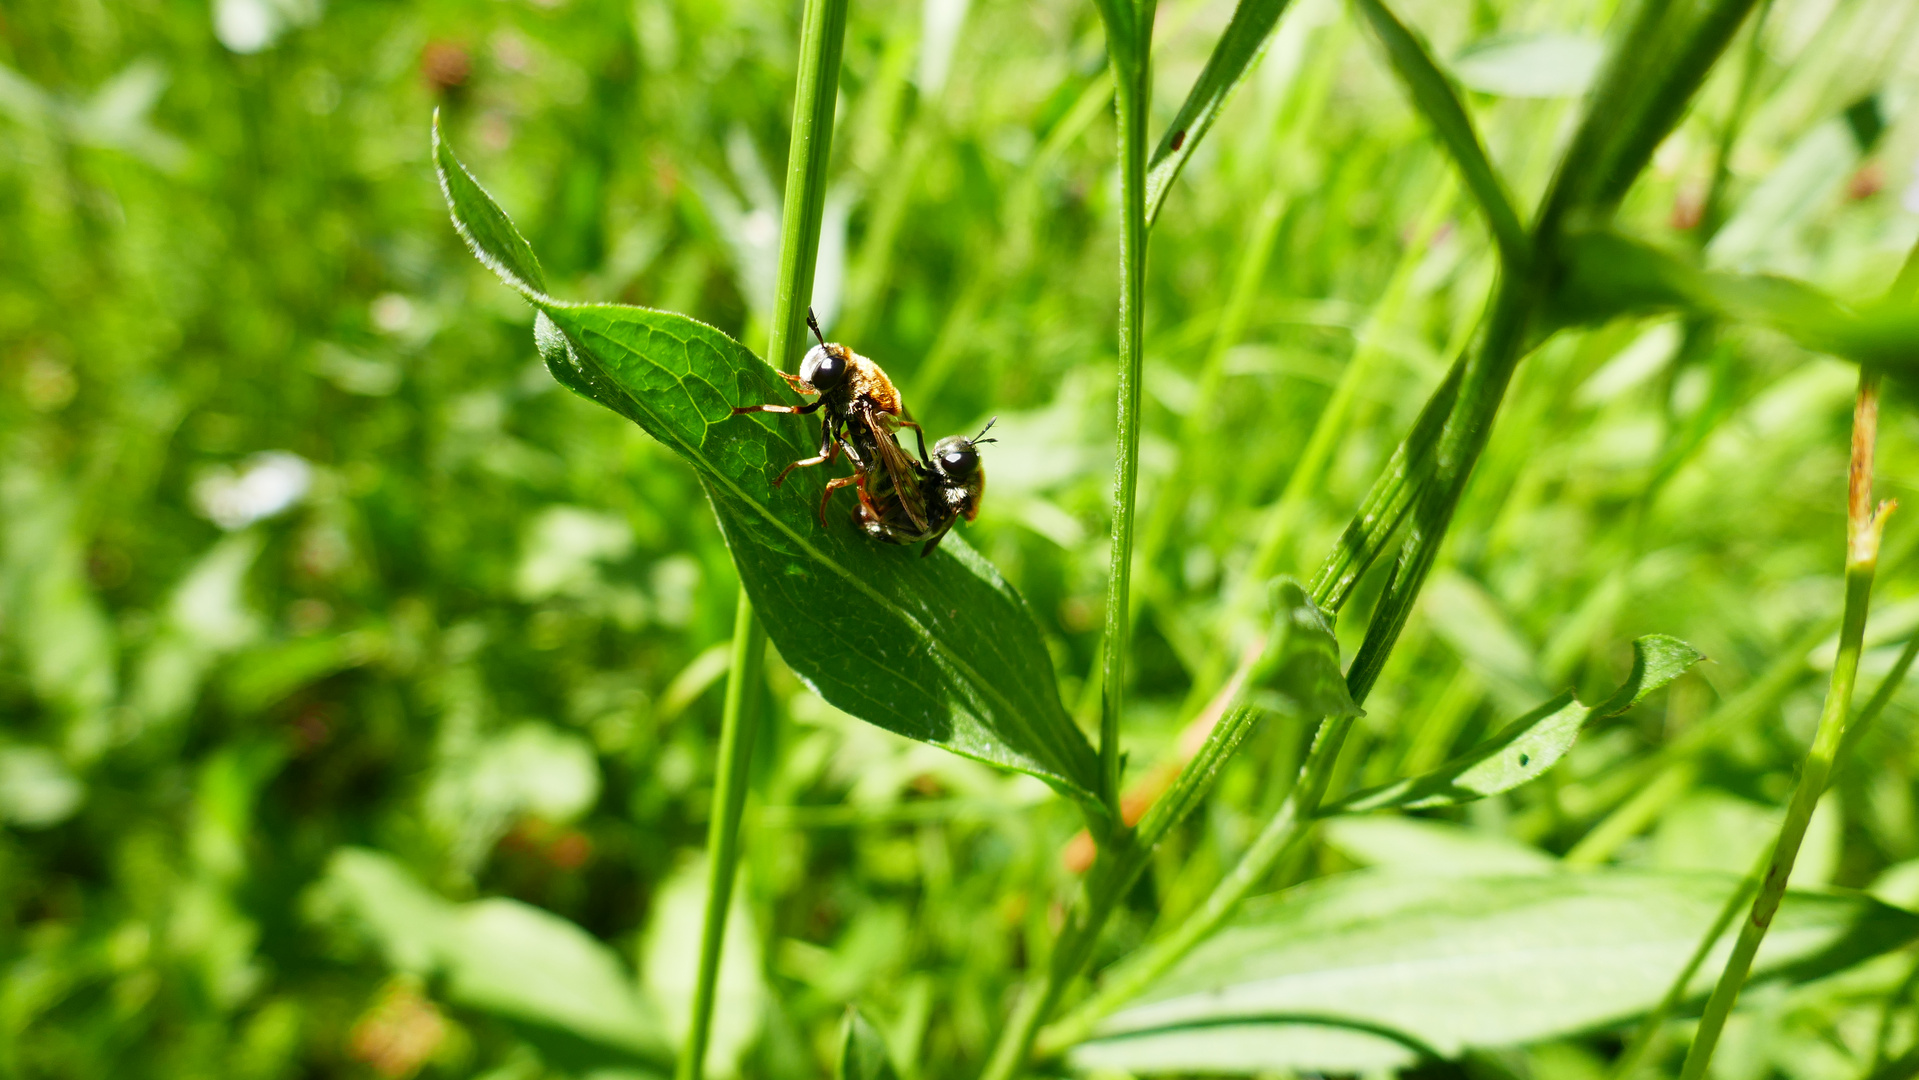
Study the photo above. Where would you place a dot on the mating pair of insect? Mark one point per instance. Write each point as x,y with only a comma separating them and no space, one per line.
902,501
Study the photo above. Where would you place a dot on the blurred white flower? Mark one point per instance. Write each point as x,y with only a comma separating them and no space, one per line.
271,483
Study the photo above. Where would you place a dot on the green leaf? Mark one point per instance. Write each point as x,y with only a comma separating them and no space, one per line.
1530,65
1301,662
407,922
1428,846
499,956
1407,478
1357,971
1433,95
488,232
1606,274
938,649
530,965
1297,672
1238,49
1526,748
862,1053
37,790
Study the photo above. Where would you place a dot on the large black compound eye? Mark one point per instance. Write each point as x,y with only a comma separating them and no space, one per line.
956,457
824,367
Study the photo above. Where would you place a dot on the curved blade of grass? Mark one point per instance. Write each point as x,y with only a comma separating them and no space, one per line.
1432,93
1238,49
1526,748
939,649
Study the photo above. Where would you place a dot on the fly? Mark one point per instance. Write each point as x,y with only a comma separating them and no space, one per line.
860,412
951,484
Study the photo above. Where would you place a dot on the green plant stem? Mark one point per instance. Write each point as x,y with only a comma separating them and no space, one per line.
1863,528
1467,426
1132,81
739,728
1281,834
1648,1029
822,36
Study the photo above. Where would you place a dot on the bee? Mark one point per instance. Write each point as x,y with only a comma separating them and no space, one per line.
861,411
951,483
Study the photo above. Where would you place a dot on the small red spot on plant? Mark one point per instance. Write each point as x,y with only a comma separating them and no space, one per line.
1688,207
1866,182
400,1032
570,850
1179,138
445,65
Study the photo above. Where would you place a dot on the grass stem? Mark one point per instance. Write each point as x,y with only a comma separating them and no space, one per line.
1132,81
822,37
1864,526
739,727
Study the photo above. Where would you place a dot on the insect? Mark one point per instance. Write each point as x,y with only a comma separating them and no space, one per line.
860,413
951,483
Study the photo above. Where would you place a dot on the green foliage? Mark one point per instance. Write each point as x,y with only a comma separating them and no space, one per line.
1374,970
938,649
1524,749
362,688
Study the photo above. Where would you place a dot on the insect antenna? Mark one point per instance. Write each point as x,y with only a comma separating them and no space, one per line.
981,437
814,325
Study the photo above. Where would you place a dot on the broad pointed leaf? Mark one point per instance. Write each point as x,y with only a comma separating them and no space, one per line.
1373,969
1526,748
939,649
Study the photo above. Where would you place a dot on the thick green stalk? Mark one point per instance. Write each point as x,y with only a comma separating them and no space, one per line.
822,35
1132,80
739,727
1864,525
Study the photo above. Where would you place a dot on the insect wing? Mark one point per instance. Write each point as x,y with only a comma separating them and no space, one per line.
899,469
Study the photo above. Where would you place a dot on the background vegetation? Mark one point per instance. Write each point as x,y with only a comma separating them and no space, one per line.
361,685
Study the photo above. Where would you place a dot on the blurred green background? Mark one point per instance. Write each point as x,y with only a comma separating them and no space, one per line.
359,685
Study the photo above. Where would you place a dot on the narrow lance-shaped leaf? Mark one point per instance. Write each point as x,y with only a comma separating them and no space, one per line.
1238,49
1317,977
1433,95
939,649
1608,274
1523,750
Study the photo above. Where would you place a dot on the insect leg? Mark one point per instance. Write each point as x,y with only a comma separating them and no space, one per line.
832,451
837,483
798,410
919,433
